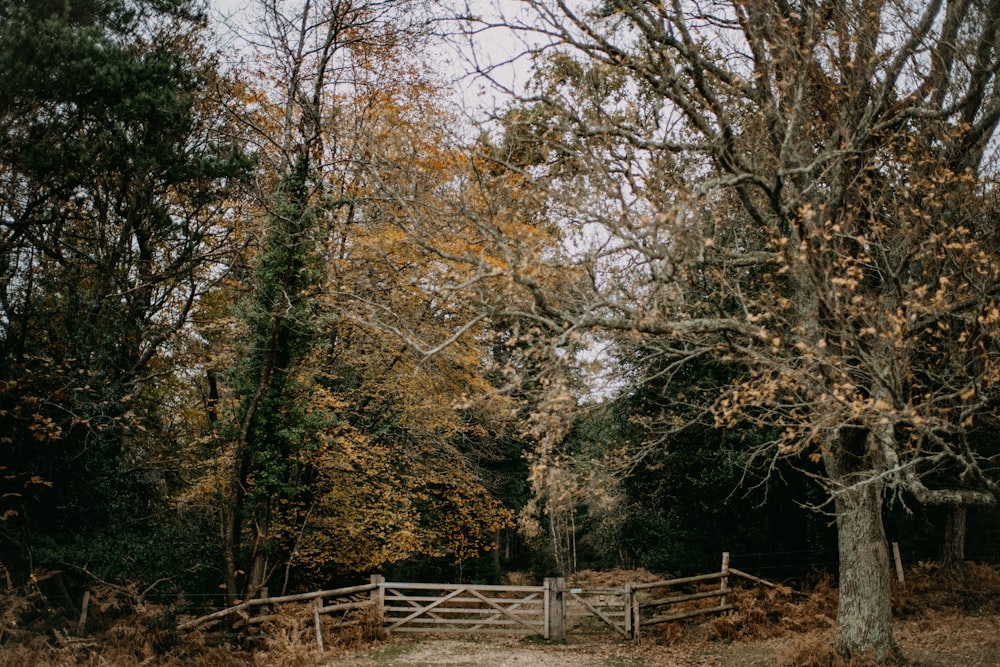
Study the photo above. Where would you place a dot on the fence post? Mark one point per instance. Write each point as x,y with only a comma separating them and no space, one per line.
724,581
899,563
317,605
82,625
546,613
636,622
555,588
378,604
627,596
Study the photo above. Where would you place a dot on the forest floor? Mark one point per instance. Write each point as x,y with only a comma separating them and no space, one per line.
934,641
938,621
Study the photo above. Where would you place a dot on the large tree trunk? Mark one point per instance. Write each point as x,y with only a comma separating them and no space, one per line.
864,612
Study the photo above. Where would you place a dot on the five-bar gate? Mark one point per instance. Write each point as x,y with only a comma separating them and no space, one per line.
466,608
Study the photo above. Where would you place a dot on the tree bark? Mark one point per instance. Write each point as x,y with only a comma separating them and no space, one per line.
864,612
864,608
258,565
231,533
953,545
233,497
496,551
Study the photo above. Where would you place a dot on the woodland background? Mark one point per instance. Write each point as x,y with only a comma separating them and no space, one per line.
282,312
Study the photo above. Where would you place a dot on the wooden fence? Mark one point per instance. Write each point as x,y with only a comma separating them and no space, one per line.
352,606
550,611
651,602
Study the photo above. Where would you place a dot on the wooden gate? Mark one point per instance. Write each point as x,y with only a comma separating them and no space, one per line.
441,608
595,610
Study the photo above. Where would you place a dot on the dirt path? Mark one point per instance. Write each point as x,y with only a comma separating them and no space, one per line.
934,641
504,653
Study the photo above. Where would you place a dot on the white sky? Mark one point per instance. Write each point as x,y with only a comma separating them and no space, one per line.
496,49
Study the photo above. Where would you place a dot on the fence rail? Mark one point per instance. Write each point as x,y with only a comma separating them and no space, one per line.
243,607
647,600
550,611
444,608
591,610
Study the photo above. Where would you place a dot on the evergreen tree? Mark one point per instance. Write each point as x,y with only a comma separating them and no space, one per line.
112,177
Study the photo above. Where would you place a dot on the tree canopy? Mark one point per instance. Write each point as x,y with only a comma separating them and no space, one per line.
804,192
114,171
293,310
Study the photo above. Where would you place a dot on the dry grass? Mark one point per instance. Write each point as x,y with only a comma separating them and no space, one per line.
796,629
123,629
612,578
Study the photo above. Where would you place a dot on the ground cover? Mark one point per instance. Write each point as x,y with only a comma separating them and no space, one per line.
940,621
938,640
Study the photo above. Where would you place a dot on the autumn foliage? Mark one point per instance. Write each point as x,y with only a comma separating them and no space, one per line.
284,313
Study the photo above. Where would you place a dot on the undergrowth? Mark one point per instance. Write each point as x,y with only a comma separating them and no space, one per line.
765,613
124,629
